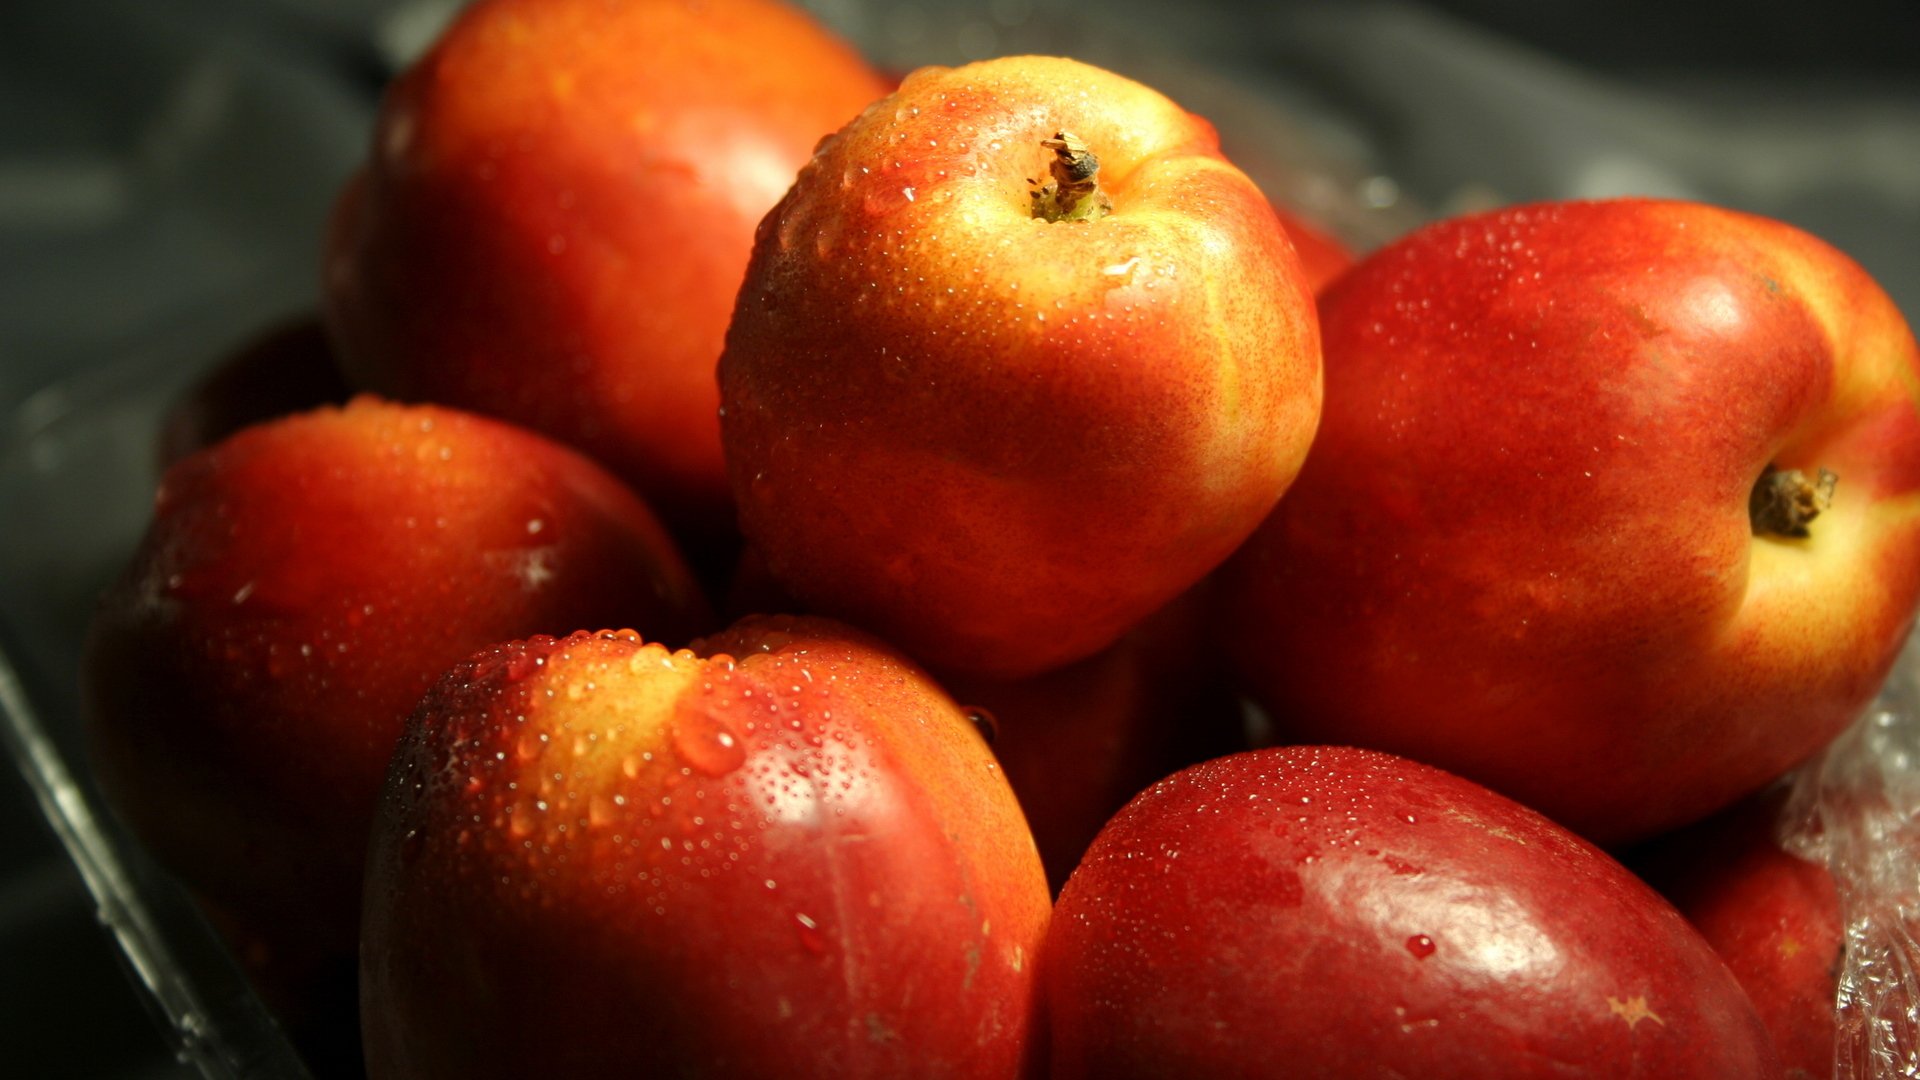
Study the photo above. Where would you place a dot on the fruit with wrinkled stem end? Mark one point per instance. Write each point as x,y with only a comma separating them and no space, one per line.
301,584
1333,912
1528,545
554,217
997,438
784,852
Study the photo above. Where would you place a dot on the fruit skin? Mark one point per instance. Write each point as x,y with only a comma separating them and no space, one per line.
555,215
783,853
1000,441
300,586
1521,549
1774,917
1078,742
1323,256
1333,912
285,369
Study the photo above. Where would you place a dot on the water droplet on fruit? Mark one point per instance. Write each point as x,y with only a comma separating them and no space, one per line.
884,199
809,934
707,743
983,722
1421,946
521,666
528,747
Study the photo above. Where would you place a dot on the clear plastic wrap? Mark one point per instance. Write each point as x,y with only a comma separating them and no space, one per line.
1856,808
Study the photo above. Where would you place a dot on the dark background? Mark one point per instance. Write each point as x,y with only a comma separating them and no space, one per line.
164,170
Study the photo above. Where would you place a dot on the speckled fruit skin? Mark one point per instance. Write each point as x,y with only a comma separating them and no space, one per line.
1332,913
1521,549
556,212
1001,441
784,852
300,586
1774,917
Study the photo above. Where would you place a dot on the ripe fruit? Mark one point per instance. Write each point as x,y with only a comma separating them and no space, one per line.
1323,257
288,368
782,853
1333,913
997,421
1538,539
1774,917
554,219
299,588
1077,742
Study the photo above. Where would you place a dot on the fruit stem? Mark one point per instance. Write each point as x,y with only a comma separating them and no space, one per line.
1785,500
1074,192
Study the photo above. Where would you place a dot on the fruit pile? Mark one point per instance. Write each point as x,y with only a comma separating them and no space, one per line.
803,570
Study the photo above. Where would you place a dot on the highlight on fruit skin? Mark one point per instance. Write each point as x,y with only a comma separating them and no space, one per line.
781,852
1335,912
300,585
995,429
1614,507
555,209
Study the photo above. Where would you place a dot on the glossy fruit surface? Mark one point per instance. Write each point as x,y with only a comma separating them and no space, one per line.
300,586
559,202
1774,917
1321,912
782,853
1525,546
999,438
1078,742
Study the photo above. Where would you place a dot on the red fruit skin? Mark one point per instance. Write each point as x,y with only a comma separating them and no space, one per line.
1323,256
785,853
1774,917
300,586
998,441
553,221
1322,912
1078,742
1521,547
288,368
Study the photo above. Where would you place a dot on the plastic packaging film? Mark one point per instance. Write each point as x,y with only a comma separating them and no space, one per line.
1856,808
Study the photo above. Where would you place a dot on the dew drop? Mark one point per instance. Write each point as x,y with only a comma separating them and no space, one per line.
1421,946
706,743
521,666
809,934
983,722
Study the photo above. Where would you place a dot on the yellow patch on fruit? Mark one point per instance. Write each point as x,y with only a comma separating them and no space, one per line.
605,715
1633,1010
